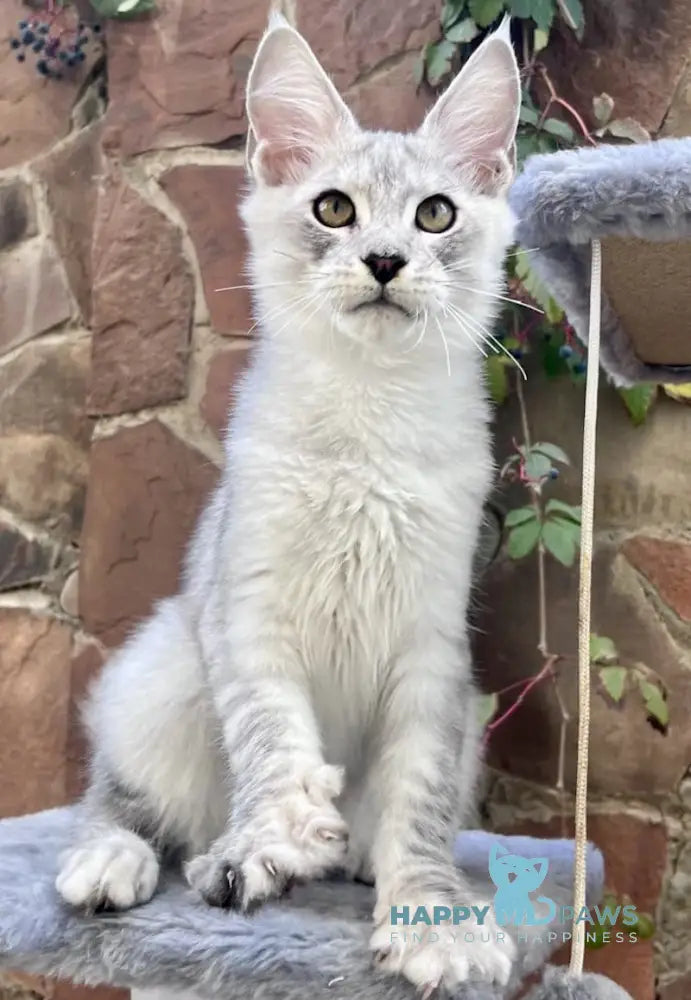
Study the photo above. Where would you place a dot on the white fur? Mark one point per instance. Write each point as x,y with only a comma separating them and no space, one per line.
314,669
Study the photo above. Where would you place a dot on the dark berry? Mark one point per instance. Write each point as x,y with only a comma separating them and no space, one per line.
554,474
96,28
565,351
63,56
28,37
83,39
81,57
23,25
21,57
43,29
71,60
38,45
14,43
517,353
42,67
579,368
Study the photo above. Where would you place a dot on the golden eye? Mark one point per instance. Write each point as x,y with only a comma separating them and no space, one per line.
334,209
435,214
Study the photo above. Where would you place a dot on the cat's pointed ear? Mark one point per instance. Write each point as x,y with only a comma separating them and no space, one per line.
541,866
474,122
293,108
496,850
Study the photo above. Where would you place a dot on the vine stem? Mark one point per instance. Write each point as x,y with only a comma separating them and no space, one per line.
550,659
554,98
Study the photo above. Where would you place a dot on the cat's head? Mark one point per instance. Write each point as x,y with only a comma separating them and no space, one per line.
369,238
523,874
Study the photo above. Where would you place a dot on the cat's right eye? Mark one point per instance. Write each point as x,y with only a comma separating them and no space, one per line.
334,209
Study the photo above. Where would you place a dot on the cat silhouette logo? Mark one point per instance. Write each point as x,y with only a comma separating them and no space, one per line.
515,878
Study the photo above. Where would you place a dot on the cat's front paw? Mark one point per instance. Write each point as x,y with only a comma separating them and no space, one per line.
444,955
299,836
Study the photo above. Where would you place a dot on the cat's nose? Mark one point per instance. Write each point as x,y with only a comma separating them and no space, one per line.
384,269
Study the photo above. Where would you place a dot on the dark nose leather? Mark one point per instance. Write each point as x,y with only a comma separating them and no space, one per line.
384,268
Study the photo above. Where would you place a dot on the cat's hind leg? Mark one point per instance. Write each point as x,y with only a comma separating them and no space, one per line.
157,780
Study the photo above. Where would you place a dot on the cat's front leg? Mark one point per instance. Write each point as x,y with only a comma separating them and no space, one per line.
426,767
283,824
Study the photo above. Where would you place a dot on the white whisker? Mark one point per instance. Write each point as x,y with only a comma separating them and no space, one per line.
446,345
466,331
496,344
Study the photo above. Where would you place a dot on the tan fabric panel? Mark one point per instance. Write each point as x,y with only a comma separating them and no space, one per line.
649,286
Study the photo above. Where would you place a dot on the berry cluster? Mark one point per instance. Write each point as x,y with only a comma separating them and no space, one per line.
58,46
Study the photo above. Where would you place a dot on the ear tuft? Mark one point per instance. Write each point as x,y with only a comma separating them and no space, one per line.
293,109
475,120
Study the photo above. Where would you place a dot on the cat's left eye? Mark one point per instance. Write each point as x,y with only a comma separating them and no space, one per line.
334,209
435,214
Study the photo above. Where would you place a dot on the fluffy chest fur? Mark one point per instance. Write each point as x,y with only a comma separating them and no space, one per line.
363,536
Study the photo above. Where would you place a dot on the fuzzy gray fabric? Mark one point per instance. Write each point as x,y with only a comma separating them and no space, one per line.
564,200
295,948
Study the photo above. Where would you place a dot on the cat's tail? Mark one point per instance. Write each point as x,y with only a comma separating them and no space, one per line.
551,910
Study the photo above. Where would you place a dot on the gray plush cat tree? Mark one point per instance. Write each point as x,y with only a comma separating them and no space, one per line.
633,206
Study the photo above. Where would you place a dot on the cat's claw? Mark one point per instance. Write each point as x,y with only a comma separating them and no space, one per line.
302,837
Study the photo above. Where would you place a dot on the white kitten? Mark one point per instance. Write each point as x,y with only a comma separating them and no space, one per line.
313,675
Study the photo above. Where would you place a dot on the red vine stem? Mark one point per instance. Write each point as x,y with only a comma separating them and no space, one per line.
532,682
554,98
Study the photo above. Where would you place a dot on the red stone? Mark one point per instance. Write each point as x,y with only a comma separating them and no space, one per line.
35,112
17,213
87,660
390,99
145,490
224,370
34,705
620,56
71,176
33,293
680,989
667,565
143,296
177,78
352,43
207,197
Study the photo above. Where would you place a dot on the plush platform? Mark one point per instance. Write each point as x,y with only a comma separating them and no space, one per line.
635,199
312,944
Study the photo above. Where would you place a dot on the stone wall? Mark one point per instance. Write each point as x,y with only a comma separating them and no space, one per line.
117,360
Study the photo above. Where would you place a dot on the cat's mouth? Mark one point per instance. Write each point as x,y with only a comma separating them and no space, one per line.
382,301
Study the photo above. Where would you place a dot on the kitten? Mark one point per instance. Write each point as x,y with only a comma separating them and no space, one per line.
515,878
313,677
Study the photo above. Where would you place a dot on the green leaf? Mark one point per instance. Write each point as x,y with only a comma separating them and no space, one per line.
537,290
558,539
484,12
543,13
464,31
555,126
521,8
627,128
497,379
523,539
572,12
602,649
644,927
537,466
566,510
614,681
552,451
519,516
638,400
451,11
487,708
528,115
655,702
122,8
438,60
540,40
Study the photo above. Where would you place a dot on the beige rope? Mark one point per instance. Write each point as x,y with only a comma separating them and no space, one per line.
584,598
